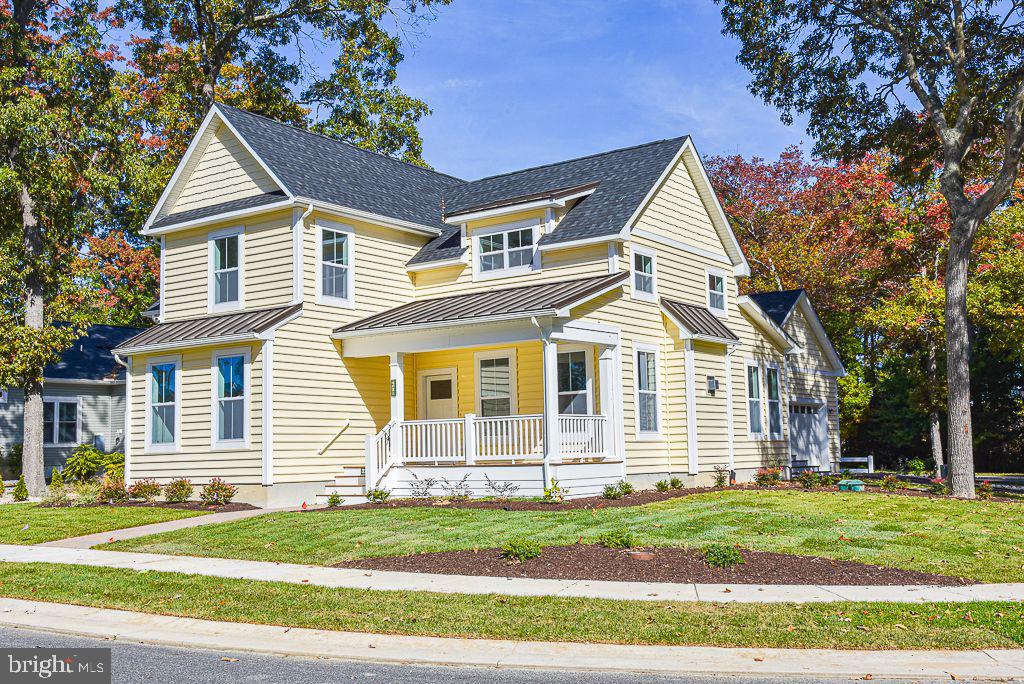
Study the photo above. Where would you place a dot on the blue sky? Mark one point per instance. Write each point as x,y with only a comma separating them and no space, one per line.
524,83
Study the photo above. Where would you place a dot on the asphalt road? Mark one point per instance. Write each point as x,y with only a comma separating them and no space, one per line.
139,664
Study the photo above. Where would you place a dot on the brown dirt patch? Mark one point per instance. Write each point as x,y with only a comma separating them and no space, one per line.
187,506
590,562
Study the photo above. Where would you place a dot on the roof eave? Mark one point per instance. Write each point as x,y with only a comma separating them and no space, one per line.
219,218
369,217
476,320
461,260
187,344
555,202
748,305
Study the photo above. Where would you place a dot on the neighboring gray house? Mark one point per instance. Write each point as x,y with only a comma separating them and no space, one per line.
83,397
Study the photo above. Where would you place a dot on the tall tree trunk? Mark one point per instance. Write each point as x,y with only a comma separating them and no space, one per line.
32,440
934,429
958,360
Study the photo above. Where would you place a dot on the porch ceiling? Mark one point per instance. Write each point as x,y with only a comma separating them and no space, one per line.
545,299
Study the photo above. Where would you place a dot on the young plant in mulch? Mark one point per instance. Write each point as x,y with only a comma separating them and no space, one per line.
768,477
519,549
178,490
501,489
611,492
721,476
675,483
618,539
85,493
722,556
984,490
808,479
828,481
662,485
892,483
146,490
20,492
84,463
938,487
625,488
334,500
378,496
916,466
217,492
112,490
555,493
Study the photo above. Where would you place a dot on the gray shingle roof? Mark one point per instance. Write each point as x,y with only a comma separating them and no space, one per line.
212,327
544,298
779,304
698,321
90,357
223,207
329,170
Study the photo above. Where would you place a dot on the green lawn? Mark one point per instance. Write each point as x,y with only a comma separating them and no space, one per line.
976,539
30,524
835,625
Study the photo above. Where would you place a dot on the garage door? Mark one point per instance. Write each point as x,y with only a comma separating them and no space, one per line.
808,426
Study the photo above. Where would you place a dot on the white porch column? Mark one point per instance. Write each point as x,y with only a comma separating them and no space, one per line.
609,405
691,410
397,373
552,438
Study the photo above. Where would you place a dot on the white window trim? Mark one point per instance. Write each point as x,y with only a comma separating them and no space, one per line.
347,302
513,389
422,396
642,435
708,272
506,272
51,440
588,352
651,296
773,436
176,445
756,365
230,444
214,235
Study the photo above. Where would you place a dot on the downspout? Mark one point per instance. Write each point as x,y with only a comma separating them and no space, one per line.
127,416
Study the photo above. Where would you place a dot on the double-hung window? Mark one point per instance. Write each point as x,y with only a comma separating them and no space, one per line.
644,275
754,400
336,274
647,390
573,382
495,378
230,398
716,292
60,421
164,378
774,396
225,279
505,250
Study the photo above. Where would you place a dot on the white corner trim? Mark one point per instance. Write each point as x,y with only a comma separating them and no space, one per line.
267,411
163,282
691,409
298,252
730,408
613,258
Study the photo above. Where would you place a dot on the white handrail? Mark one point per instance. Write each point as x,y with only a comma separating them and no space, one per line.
379,455
334,439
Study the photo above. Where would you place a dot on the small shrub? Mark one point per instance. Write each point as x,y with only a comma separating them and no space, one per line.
618,539
984,490
520,549
178,491
611,492
808,479
768,477
721,476
112,490
675,483
502,489
56,478
828,481
20,492
555,493
334,500
456,491
892,483
662,485
938,487
85,492
723,556
916,466
378,496
84,463
420,489
147,490
626,488
113,464
217,492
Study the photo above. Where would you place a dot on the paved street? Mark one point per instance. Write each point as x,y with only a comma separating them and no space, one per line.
138,664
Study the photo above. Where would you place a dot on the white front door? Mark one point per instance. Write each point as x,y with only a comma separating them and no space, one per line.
809,433
438,395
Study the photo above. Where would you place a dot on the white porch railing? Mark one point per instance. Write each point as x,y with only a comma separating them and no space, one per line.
470,440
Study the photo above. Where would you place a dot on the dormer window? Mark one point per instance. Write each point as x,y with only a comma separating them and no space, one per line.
716,292
645,285
225,277
506,250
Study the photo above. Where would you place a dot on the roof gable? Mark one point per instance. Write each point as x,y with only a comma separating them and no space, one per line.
778,305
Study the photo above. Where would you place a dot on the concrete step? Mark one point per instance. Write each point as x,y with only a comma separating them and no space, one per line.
349,480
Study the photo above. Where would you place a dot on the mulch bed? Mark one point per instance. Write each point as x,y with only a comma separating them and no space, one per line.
187,506
590,562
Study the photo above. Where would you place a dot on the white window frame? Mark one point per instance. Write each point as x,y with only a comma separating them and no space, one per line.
767,366
646,435
211,280
718,273
215,441
756,365
513,389
176,444
588,353
507,271
651,296
51,439
350,233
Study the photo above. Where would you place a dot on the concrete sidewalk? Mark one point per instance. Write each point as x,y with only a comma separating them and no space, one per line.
510,586
89,540
282,641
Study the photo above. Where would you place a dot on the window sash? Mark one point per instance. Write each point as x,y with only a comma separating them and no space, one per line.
506,249
163,404
716,292
334,263
573,383
225,269
231,395
643,272
771,376
754,400
495,386
647,390
60,421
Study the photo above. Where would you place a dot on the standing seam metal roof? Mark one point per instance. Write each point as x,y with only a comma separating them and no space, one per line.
699,321
212,327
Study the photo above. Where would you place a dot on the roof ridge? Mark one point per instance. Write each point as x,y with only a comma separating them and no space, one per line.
581,158
341,142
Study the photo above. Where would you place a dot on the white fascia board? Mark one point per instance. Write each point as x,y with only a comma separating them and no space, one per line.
219,218
769,326
582,242
369,217
444,263
82,381
352,334
819,331
465,217
187,344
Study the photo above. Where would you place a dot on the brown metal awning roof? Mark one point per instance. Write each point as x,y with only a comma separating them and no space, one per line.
545,299
698,321
227,327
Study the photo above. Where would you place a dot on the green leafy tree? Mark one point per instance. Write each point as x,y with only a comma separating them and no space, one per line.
854,67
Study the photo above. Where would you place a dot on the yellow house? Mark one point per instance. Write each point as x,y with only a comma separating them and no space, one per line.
333,320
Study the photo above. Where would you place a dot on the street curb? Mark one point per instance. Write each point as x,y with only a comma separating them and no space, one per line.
172,631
